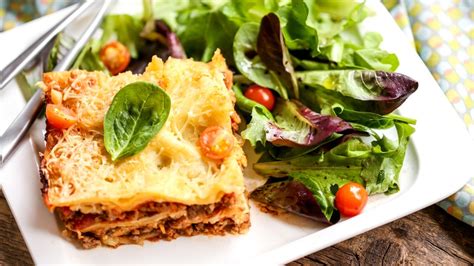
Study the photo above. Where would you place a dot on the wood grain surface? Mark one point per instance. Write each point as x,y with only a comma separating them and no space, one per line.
428,237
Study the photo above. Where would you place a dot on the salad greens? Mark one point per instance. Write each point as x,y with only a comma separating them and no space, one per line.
273,52
249,63
137,113
295,197
365,90
335,88
126,29
295,125
376,165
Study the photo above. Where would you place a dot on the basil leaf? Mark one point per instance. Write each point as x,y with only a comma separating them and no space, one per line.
137,113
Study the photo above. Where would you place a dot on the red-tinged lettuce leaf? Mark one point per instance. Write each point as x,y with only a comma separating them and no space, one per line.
174,45
361,90
293,197
248,61
274,54
160,41
298,126
295,126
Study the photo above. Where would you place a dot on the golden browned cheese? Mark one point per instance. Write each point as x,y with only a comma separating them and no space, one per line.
79,173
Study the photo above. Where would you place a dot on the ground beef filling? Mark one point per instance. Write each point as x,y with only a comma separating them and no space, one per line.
77,224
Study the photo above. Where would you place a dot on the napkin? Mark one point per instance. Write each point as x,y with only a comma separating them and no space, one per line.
443,34
441,30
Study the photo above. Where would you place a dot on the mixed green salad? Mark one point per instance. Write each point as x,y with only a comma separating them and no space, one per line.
316,94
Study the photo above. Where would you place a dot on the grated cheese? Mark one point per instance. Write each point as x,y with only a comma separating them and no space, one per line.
80,173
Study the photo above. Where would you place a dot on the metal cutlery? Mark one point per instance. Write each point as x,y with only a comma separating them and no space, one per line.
20,126
19,63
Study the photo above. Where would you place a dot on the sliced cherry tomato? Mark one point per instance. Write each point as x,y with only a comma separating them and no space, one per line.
351,199
115,57
216,142
59,117
261,95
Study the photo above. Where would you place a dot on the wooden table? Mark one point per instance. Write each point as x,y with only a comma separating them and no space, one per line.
427,237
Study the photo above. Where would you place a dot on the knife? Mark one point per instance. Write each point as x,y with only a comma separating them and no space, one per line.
22,123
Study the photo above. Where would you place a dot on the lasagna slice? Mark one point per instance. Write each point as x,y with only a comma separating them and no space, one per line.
167,190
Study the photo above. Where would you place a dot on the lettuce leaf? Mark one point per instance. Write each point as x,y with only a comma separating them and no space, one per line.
204,29
362,90
295,197
298,34
126,29
294,126
368,119
88,58
243,11
249,63
375,165
274,54
256,130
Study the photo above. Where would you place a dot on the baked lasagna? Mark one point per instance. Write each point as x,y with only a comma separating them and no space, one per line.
170,188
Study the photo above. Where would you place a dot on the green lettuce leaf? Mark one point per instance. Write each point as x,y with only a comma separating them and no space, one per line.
256,130
375,165
88,59
248,61
298,35
243,11
202,30
368,119
126,29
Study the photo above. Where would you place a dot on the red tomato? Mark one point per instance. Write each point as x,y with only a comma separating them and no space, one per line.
351,199
261,95
59,117
115,57
216,142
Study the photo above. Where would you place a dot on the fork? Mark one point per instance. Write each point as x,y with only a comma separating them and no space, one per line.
22,61
34,70
22,123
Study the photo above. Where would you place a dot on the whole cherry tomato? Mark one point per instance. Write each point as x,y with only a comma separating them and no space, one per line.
351,199
261,95
115,57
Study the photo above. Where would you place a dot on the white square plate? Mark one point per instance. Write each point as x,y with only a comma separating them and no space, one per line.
438,163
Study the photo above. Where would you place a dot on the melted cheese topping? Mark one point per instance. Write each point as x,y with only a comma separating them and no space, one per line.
171,168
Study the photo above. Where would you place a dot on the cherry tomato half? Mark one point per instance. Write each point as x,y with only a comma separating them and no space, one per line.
216,142
351,199
59,117
115,57
261,95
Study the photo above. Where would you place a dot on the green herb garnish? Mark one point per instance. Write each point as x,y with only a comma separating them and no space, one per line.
137,113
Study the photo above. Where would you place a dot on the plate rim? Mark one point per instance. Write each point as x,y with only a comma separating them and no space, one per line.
303,246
